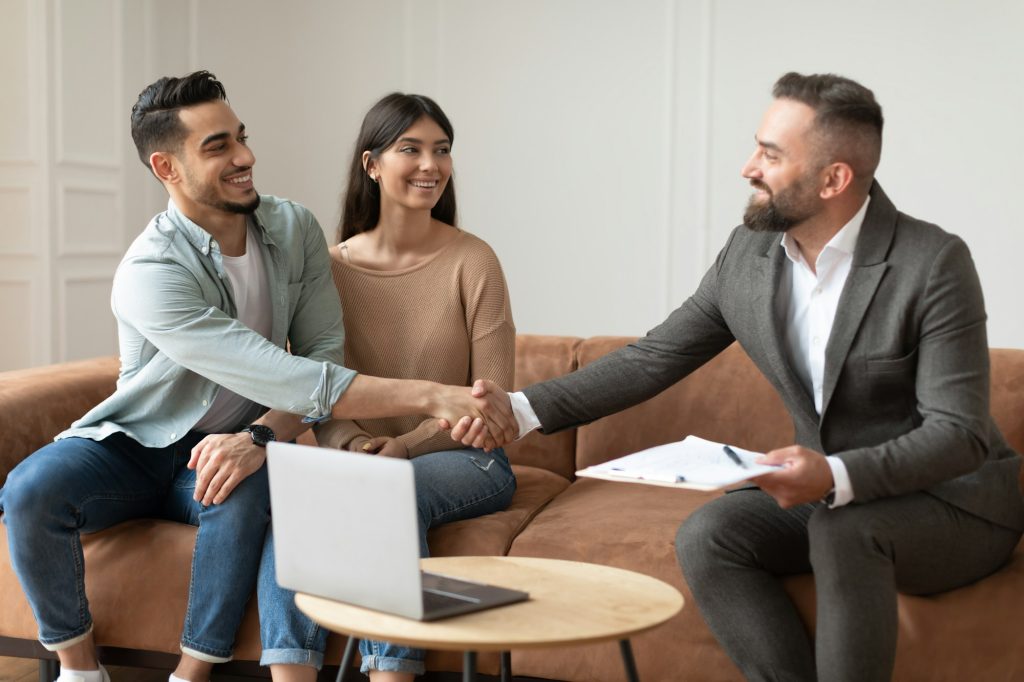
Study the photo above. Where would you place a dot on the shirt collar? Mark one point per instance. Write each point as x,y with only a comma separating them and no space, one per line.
200,238
844,241
197,236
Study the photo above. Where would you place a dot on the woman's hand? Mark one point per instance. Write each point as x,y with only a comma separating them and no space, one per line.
385,446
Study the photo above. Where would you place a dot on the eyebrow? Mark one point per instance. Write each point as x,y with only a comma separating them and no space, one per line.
768,145
216,137
415,140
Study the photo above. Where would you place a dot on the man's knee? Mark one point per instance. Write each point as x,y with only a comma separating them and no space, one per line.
837,535
33,490
251,495
698,538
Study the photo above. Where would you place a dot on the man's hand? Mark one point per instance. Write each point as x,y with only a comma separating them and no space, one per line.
222,461
386,447
806,476
480,417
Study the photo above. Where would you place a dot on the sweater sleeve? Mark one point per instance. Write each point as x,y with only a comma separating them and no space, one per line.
339,434
492,335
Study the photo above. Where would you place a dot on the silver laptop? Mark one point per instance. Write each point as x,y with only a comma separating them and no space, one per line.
345,528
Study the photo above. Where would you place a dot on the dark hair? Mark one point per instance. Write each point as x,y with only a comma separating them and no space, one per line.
847,119
383,123
155,122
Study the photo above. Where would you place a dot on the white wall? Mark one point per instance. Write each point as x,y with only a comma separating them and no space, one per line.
598,143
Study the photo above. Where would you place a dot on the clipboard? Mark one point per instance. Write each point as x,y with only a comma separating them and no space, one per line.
692,463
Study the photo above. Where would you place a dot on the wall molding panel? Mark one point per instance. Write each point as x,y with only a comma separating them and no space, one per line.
16,226
87,42
62,190
86,214
87,328
16,309
16,139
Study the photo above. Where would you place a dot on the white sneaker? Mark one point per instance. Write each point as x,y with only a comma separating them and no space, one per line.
100,675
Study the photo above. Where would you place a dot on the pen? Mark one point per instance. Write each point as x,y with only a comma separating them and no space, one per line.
733,456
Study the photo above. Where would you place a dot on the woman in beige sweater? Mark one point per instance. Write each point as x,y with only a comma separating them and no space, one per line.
421,299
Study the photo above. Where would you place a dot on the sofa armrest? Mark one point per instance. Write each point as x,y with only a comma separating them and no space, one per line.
36,404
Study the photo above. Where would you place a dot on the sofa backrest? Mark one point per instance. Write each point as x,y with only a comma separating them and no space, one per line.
726,400
38,403
1007,402
729,400
539,358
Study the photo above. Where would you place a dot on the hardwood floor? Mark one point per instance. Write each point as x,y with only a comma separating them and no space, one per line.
27,670
18,670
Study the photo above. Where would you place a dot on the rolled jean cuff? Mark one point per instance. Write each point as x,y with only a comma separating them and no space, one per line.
313,659
396,665
204,656
67,643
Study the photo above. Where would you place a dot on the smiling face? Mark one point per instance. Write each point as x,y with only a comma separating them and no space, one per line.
413,172
215,162
783,169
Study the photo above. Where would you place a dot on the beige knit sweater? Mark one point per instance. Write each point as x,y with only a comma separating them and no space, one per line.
446,319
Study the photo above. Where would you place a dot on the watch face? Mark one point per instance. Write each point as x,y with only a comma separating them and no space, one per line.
261,435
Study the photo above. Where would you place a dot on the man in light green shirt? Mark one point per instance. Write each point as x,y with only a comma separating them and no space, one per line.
209,300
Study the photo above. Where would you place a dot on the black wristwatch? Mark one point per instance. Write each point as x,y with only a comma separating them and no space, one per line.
261,435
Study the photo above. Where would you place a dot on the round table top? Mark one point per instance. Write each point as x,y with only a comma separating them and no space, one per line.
570,603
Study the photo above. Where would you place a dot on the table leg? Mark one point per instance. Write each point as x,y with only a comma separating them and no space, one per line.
506,666
628,661
469,666
346,658
48,669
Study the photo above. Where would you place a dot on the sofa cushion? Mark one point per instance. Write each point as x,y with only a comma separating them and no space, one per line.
493,534
629,526
539,358
138,598
972,633
1007,370
727,400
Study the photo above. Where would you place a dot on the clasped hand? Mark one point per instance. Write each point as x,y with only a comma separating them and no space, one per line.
480,416
222,461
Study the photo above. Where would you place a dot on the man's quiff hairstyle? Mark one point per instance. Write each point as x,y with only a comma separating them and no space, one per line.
847,120
156,126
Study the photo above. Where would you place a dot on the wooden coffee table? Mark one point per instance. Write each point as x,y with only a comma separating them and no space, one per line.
570,603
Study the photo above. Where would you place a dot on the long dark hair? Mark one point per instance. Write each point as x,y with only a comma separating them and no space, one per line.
384,122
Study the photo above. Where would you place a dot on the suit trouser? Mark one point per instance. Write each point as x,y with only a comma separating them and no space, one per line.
734,550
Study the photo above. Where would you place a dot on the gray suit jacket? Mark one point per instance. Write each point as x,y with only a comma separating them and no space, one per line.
906,385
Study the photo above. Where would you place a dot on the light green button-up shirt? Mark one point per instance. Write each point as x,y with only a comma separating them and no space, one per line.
180,341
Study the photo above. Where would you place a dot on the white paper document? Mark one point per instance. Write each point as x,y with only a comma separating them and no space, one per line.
690,463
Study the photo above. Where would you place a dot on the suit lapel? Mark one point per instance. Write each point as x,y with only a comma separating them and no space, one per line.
866,272
766,278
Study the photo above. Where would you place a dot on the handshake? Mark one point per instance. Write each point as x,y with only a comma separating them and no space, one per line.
479,416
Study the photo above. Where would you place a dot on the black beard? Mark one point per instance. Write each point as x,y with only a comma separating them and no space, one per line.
244,209
767,217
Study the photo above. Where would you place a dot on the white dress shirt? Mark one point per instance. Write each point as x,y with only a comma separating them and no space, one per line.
806,307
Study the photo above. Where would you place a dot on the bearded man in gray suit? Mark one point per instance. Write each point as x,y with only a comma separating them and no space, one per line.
871,326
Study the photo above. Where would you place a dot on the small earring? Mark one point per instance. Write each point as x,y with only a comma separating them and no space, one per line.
373,177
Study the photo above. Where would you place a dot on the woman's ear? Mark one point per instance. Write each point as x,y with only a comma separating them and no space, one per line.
369,166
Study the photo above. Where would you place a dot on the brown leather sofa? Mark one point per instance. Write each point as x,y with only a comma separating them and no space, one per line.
138,571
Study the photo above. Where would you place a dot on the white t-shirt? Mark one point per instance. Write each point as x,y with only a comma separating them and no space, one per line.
248,279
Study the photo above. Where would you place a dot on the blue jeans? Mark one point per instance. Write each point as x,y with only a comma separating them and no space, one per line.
450,486
78,486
